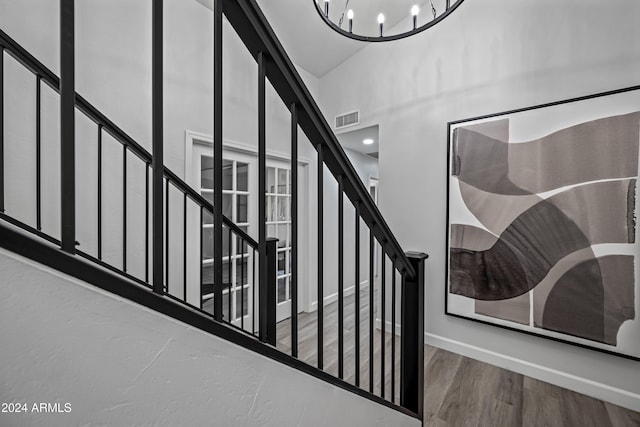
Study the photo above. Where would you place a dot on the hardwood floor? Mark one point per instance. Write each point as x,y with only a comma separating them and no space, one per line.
464,392
458,391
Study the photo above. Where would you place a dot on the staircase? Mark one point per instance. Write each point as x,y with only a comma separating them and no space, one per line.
154,205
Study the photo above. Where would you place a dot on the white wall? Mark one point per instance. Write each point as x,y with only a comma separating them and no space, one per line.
365,166
117,363
488,56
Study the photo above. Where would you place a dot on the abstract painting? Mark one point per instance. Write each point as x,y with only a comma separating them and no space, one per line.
542,220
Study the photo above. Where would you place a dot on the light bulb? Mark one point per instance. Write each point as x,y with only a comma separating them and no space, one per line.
415,10
381,19
367,141
350,14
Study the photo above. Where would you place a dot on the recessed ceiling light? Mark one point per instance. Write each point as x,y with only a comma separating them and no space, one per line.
367,141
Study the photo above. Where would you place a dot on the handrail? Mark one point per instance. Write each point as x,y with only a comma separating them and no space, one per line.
29,61
253,29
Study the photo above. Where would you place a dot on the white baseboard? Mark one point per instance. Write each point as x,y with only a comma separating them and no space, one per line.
388,326
595,389
334,297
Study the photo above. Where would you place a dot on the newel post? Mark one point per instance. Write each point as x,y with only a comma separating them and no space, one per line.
267,296
412,338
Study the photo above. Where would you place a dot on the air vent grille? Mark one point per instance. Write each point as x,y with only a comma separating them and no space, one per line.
348,119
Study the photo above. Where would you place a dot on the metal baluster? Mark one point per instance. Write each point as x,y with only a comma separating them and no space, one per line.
371,306
357,295
100,192
146,222
158,148
230,293
1,129
242,283
253,291
320,289
38,155
294,230
184,248
166,234
217,158
393,331
383,262
124,208
67,127
340,277
262,186
201,254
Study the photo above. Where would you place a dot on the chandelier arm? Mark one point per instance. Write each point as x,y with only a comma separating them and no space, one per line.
346,5
448,10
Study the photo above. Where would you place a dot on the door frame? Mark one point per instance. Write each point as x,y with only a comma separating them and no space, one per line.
304,270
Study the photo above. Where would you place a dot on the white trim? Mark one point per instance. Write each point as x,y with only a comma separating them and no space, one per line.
334,297
388,326
595,389
203,139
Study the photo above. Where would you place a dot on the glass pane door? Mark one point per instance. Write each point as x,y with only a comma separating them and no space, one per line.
237,260
279,226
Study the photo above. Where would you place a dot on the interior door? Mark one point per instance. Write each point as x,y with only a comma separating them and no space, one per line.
279,226
239,189
240,204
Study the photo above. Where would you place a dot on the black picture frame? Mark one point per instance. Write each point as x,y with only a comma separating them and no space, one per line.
531,331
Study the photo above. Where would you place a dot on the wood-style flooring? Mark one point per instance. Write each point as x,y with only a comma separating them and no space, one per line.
465,392
459,391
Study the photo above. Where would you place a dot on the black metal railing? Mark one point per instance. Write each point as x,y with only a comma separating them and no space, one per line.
229,260
245,255
386,258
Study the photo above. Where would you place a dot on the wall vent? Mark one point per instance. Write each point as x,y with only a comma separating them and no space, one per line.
348,119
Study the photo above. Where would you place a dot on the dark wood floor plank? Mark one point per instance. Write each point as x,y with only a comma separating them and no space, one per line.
498,413
464,400
621,417
542,387
459,391
431,420
540,410
440,371
580,410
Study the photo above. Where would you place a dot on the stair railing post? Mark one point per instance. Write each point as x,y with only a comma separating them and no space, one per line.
267,295
412,336
157,162
67,127
217,162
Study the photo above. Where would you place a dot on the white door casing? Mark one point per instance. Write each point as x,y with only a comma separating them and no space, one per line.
278,206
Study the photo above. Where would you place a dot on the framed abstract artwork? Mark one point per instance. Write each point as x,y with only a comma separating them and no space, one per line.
541,218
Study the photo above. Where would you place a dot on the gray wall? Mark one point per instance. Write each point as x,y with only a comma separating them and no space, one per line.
488,56
117,363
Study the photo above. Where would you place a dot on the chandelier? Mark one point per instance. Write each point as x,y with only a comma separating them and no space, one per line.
367,20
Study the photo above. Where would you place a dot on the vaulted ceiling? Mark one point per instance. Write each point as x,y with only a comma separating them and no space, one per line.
310,43
314,46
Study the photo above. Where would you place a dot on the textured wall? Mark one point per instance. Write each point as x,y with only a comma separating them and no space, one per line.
117,363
